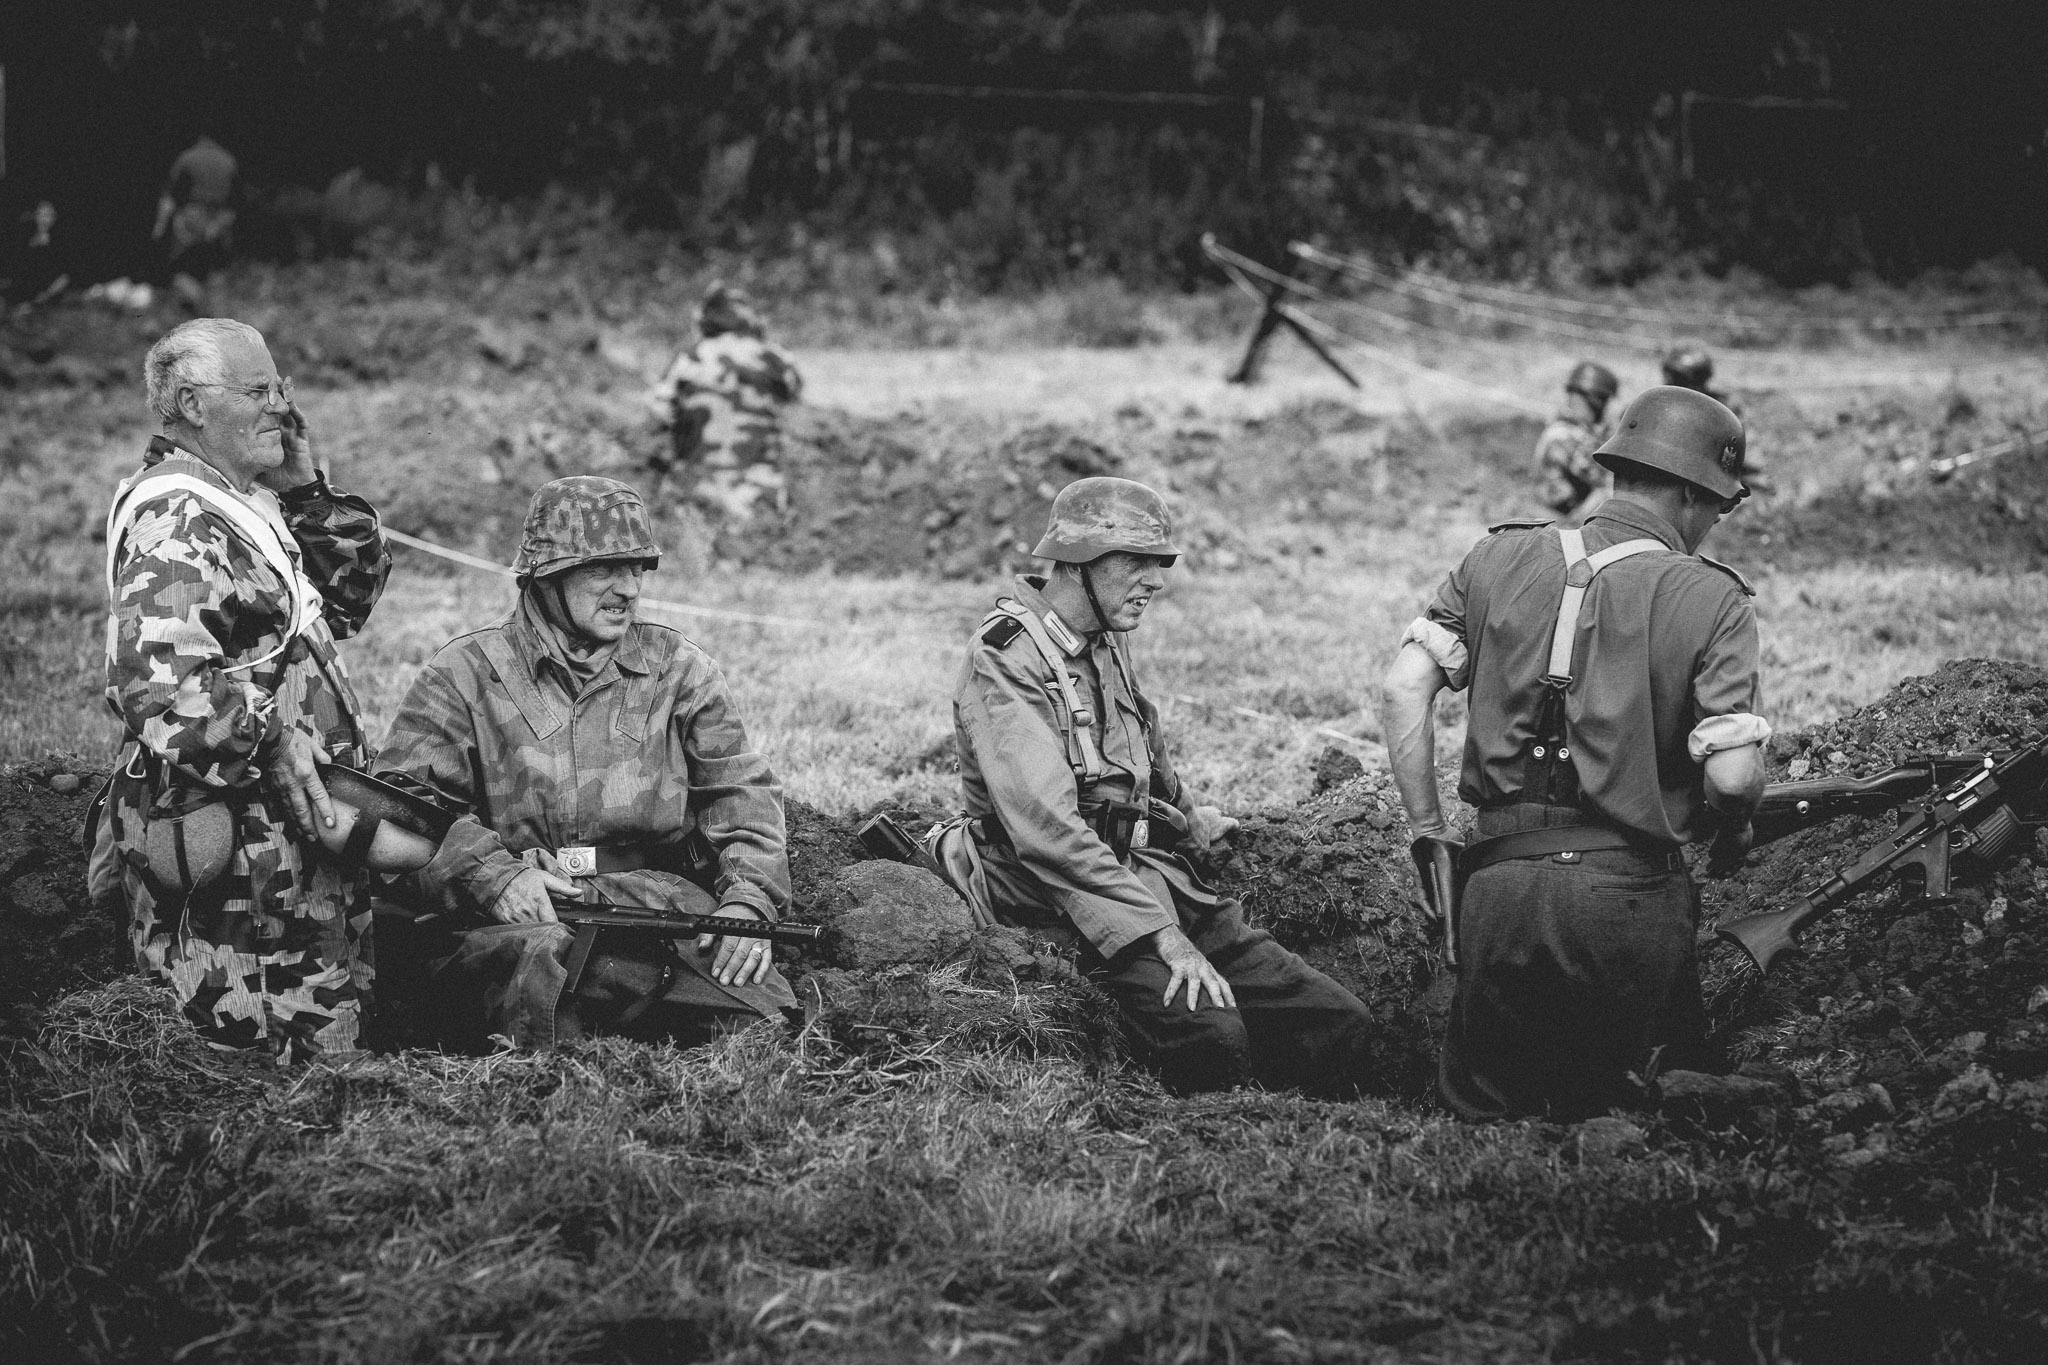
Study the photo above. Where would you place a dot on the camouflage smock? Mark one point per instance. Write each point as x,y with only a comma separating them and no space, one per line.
1012,737
1571,479
722,398
275,952
647,752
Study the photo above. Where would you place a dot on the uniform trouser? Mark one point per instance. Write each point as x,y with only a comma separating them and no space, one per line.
1293,1026
1573,970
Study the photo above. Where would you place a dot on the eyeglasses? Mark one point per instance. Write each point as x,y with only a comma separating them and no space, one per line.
276,394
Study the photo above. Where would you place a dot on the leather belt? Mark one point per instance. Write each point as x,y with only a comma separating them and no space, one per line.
592,860
1547,842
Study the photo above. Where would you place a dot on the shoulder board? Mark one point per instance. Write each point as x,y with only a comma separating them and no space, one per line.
1729,569
1000,631
1516,526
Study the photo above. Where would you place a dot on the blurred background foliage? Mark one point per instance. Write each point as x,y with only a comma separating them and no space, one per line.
1491,140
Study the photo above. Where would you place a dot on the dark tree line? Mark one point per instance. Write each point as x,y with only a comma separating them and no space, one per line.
1563,141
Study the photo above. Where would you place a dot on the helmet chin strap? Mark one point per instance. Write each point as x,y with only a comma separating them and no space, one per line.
1094,604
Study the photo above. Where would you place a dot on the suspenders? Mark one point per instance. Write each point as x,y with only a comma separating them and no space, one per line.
1547,773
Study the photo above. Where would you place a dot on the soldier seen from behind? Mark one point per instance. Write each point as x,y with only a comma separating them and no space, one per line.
1572,481
1077,823
233,566
1611,674
195,213
590,754
721,401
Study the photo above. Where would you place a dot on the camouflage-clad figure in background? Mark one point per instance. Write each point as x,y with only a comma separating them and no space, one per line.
589,751
233,567
721,401
1573,482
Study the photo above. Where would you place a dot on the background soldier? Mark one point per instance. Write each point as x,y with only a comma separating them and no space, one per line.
721,401
1074,809
197,208
232,568
1690,367
590,751
1609,726
1572,481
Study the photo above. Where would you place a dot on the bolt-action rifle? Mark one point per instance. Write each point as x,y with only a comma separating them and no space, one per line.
1970,817
1788,807
678,923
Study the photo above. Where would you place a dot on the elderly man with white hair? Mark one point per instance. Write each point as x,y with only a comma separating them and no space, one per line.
233,566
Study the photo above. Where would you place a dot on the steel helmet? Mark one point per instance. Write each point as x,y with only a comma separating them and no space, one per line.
1683,432
582,519
1689,367
1597,382
1099,516
726,308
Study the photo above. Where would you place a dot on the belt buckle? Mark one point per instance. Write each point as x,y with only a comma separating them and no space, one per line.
1141,833
576,860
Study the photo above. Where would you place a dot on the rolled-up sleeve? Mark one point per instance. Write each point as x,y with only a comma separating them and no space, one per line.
1010,721
1725,687
1441,628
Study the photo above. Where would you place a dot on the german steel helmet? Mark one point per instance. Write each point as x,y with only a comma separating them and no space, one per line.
1689,367
726,308
1098,516
582,519
1597,382
1682,432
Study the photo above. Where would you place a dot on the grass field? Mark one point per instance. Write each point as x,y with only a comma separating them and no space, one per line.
1012,1197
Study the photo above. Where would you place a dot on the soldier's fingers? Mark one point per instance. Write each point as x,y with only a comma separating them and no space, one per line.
1219,987
322,802
559,884
1173,979
763,960
705,942
721,966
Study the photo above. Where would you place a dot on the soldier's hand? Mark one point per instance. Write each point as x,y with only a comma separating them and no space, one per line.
1730,847
740,961
294,773
300,464
529,898
1208,824
1185,963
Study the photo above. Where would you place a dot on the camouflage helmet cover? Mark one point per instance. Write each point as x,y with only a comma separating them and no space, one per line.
726,308
582,519
1098,516
1595,381
1682,432
1689,367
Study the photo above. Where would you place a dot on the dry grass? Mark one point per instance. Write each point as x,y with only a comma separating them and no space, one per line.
996,1195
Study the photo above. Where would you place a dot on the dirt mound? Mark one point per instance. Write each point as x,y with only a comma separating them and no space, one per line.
1331,880
1916,1034
909,496
51,940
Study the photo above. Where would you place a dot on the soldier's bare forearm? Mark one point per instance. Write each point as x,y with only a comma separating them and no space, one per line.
1408,720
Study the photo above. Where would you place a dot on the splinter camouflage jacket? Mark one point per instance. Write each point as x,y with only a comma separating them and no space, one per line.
1014,741
274,951
649,751
725,390
1565,463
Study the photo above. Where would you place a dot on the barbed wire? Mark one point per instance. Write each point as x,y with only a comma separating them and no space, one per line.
658,604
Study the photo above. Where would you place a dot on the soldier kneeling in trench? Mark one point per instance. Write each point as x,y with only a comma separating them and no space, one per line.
588,750
1074,812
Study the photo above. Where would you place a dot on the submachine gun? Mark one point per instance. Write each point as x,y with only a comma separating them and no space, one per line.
1958,806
